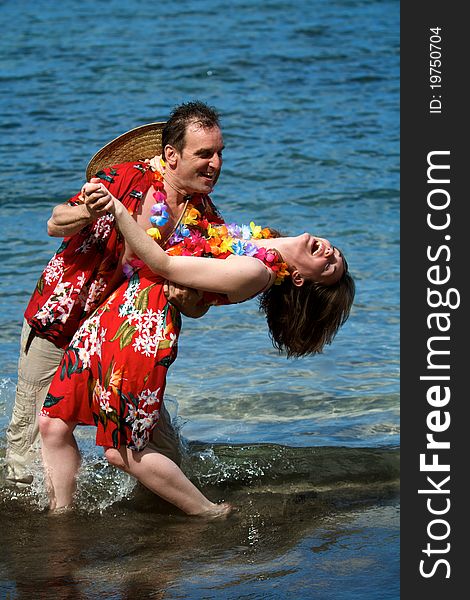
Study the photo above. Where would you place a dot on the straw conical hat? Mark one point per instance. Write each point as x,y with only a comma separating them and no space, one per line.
137,144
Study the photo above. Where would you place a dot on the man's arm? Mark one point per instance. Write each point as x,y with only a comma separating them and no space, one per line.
67,220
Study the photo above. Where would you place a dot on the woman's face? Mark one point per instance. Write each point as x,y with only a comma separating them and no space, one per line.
315,259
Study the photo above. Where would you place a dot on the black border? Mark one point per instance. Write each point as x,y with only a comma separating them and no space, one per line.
423,132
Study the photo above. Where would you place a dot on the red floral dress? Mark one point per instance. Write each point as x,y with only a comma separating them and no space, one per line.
113,373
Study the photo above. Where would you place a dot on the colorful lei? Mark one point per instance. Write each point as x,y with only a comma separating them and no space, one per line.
160,209
196,236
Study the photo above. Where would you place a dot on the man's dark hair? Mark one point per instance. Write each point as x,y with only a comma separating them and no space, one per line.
174,132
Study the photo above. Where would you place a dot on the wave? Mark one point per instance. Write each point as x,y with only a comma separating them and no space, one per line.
247,464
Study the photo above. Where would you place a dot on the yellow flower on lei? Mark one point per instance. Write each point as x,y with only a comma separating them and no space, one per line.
216,231
154,233
255,231
191,217
226,244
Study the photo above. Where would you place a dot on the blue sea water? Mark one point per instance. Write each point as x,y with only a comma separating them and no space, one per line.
309,98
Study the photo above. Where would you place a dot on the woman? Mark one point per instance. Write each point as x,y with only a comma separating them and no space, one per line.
113,373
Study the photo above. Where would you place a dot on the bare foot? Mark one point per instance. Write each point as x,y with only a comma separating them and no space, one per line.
63,510
218,511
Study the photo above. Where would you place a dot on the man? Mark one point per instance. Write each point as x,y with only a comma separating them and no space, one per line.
88,266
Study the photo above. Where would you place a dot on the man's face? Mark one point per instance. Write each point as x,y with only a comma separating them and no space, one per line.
198,166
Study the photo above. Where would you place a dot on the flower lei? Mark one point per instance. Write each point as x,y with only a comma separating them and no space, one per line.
159,209
196,236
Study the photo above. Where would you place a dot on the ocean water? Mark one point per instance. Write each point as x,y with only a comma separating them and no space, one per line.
309,448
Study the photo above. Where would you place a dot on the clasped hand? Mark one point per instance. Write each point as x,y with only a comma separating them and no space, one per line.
97,198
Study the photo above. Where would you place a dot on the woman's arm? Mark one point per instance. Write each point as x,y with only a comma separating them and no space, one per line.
240,277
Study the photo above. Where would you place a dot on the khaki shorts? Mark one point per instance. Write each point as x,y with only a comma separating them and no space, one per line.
36,368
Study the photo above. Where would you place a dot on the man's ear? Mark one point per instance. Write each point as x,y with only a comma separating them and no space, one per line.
171,155
297,278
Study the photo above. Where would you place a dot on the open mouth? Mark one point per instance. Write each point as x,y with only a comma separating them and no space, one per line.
317,246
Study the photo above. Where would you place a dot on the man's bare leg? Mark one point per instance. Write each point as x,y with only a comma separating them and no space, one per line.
61,458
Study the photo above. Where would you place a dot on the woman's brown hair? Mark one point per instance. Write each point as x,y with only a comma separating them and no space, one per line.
303,319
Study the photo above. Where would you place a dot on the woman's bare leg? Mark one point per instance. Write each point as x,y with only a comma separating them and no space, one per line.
163,477
61,458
